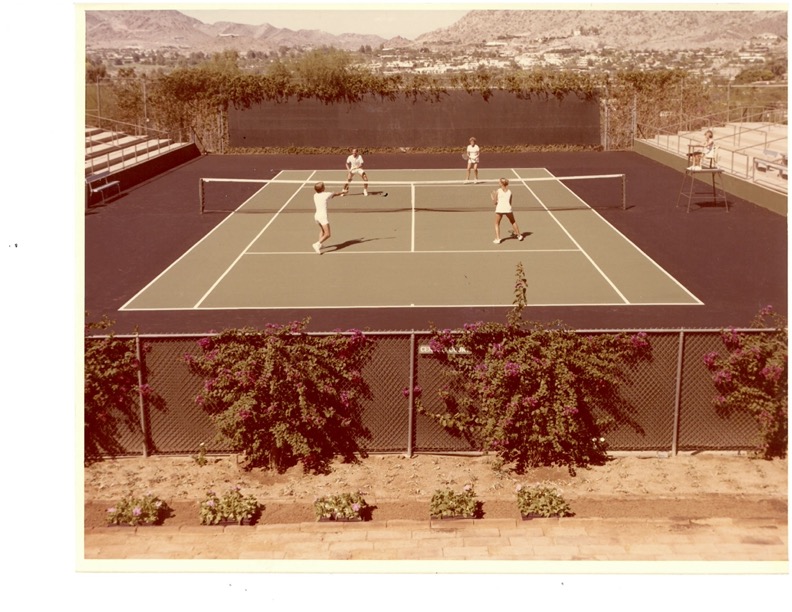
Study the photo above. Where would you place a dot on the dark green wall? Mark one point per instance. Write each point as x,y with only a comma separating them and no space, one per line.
502,120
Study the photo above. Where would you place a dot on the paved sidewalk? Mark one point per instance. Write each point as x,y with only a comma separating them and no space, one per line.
762,541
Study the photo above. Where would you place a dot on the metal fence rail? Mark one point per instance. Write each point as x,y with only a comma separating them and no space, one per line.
671,399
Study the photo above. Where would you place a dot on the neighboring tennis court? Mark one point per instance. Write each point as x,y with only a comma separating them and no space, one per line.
427,244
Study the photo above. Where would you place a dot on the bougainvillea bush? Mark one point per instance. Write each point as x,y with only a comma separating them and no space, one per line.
284,397
752,377
112,390
536,395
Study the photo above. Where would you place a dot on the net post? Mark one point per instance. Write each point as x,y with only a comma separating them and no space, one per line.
201,196
624,191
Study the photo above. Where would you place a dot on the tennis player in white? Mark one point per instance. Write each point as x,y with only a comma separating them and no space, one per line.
321,198
502,199
472,152
354,165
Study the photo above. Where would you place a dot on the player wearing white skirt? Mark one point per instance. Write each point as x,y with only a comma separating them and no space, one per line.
354,165
502,199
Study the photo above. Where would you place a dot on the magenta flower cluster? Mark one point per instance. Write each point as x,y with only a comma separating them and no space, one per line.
511,368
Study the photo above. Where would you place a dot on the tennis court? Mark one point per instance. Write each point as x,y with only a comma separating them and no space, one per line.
429,243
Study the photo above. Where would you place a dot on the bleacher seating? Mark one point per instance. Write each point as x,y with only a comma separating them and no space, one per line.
751,151
108,153
772,161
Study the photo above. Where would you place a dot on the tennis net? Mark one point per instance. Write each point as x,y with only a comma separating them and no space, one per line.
546,193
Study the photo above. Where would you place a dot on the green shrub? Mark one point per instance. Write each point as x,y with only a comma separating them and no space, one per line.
448,503
344,506
284,397
541,501
132,510
233,506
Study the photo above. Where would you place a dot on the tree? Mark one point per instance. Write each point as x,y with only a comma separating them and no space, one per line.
95,70
226,62
128,92
752,75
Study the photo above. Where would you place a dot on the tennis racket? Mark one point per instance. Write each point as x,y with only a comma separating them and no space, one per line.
465,157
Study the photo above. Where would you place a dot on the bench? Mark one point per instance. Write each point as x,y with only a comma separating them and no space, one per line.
777,163
100,183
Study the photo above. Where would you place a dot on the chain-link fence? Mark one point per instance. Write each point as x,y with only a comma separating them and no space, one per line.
669,400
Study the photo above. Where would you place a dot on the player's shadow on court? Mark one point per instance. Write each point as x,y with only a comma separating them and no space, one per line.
343,245
371,193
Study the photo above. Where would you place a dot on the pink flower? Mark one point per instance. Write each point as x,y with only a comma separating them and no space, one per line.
766,311
771,372
722,376
511,368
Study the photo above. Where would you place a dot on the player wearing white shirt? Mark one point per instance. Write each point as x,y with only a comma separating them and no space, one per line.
354,165
472,152
321,198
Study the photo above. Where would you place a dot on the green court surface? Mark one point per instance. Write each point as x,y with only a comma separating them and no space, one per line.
424,245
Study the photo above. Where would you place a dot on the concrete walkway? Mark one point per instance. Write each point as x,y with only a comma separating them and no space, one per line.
762,542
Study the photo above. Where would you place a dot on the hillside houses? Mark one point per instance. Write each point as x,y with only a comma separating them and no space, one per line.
580,51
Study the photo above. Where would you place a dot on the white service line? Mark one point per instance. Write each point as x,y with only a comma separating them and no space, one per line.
252,242
412,236
575,242
457,252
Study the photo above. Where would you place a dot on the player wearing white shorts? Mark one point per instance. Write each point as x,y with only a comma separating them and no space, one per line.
321,198
354,165
502,199
472,153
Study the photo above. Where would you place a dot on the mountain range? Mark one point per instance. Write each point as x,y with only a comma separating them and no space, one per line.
626,30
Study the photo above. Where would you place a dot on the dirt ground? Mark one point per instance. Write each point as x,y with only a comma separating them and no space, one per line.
651,486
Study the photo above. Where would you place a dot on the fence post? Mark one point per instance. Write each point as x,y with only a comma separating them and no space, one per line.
411,400
141,401
678,395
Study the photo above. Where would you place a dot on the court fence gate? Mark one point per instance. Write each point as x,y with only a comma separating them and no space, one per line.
671,396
